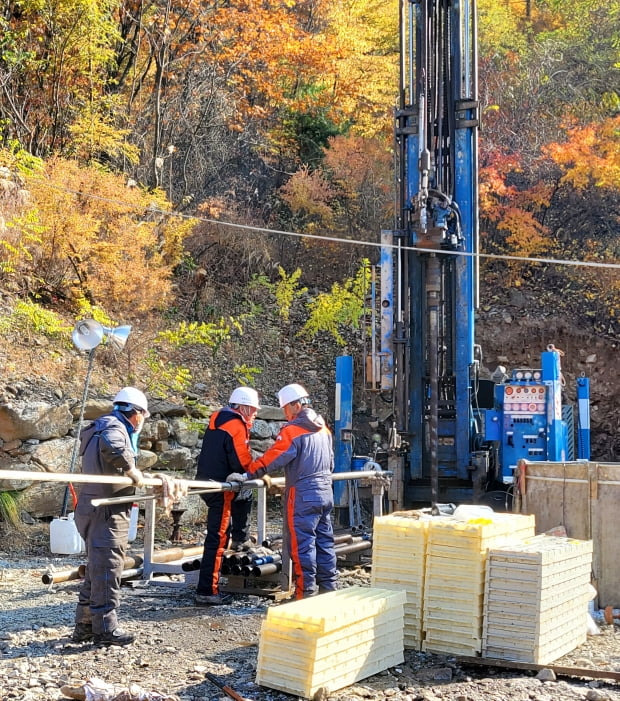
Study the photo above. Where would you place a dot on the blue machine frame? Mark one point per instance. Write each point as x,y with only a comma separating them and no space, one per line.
453,449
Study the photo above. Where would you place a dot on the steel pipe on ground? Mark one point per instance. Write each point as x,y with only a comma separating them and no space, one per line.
191,565
130,562
131,573
344,538
263,570
62,575
353,547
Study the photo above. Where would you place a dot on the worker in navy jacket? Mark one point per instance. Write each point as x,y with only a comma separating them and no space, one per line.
303,449
225,449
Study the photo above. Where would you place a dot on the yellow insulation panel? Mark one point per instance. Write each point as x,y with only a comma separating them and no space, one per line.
542,617
331,640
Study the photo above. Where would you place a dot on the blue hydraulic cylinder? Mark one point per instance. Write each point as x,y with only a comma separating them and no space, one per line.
556,430
343,425
583,426
387,311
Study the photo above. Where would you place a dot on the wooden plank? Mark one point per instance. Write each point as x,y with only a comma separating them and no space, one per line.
557,669
607,543
564,494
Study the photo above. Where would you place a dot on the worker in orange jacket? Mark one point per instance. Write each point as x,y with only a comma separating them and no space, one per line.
225,449
303,449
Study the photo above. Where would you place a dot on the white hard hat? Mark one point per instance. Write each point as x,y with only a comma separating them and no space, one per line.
291,393
246,396
134,397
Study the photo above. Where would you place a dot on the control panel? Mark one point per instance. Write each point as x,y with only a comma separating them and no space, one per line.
523,410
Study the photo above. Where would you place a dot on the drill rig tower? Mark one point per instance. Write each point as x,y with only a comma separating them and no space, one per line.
431,289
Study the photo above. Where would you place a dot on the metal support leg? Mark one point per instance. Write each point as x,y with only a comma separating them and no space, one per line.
261,515
149,539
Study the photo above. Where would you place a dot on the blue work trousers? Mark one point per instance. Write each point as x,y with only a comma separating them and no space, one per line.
310,539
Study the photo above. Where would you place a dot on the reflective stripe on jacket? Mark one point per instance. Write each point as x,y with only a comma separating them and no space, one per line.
225,446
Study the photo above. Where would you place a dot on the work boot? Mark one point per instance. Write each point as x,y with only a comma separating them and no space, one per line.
82,633
114,637
212,600
239,546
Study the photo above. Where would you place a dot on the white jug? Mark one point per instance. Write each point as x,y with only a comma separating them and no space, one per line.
64,537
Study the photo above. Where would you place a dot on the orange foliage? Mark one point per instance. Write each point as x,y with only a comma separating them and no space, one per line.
361,170
513,214
102,240
308,195
591,155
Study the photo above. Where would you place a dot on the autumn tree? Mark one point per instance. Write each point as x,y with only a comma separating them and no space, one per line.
97,239
53,64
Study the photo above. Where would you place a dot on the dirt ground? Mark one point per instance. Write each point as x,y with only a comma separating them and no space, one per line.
177,644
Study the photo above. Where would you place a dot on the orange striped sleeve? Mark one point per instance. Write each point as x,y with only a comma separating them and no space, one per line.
237,430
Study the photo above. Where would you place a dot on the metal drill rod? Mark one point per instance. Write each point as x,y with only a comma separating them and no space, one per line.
229,486
221,487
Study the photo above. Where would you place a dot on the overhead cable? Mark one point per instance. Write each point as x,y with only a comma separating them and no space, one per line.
347,241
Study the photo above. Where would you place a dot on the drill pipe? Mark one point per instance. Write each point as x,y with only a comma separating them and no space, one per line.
130,562
234,558
262,570
266,559
353,547
132,573
344,538
61,576
191,565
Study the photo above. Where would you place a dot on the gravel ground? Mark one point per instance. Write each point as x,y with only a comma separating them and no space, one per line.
177,643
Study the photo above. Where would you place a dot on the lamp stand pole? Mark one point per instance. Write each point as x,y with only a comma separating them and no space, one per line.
76,442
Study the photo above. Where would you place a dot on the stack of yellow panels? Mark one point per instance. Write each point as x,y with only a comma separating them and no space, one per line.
455,578
398,562
331,640
536,599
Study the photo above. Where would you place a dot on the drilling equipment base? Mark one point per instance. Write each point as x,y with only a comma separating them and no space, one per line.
268,587
351,549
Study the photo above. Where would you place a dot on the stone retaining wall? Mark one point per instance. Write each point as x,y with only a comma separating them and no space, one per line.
39,436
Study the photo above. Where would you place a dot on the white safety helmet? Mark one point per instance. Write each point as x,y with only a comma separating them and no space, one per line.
246,396
291,393
134,398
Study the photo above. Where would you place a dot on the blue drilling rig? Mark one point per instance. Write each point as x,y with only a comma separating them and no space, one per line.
453,436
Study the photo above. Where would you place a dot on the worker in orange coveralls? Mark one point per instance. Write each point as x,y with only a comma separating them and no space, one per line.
303,449
225,449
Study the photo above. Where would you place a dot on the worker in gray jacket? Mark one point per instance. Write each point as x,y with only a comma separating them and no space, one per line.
303,450
108,446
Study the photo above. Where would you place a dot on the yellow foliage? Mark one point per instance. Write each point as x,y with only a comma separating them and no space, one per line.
362,79
94,135
101,240
342,307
